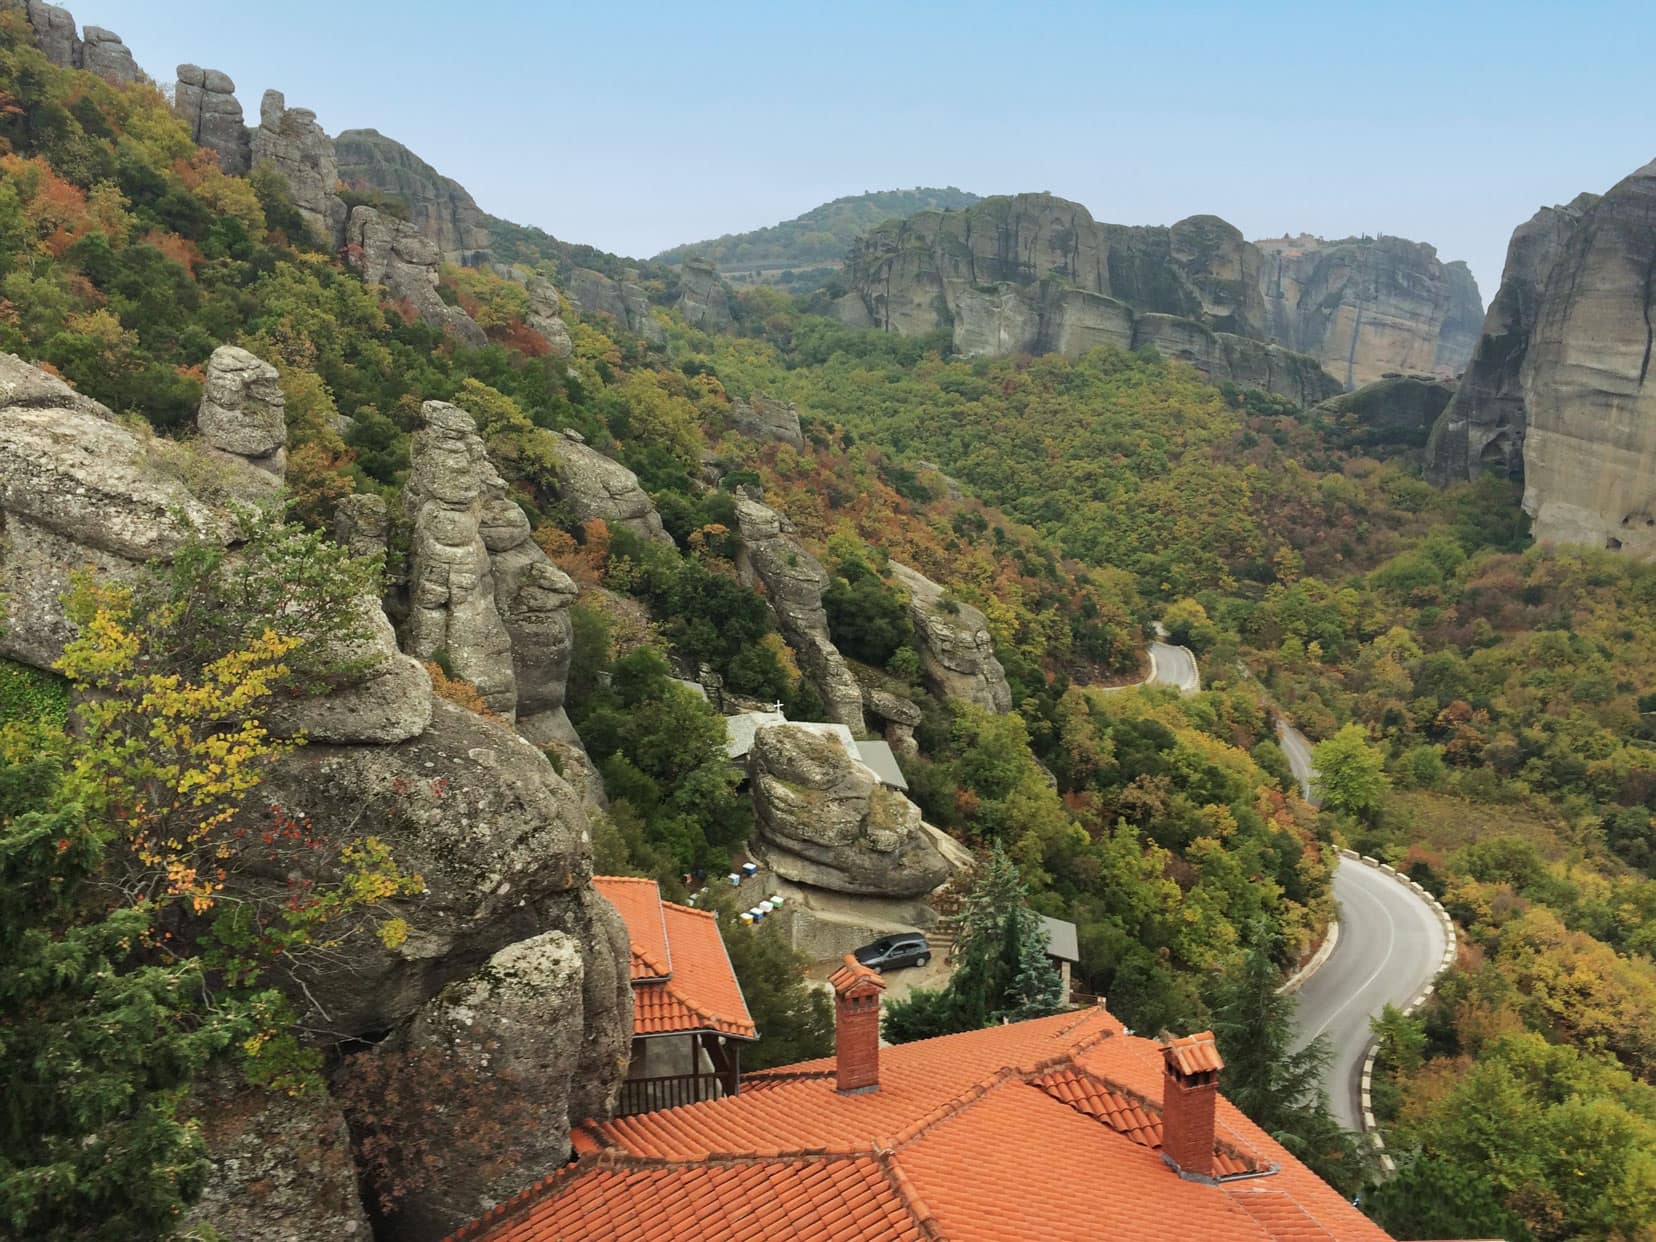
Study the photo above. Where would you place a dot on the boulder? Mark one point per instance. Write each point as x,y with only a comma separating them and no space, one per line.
764,418
793,582
595,486
1390,417
243,412
704,298
538,1038
957,654
453,615
103,53
823,819
439,208
282,1166
391,252
533,597
295,146
205,100
1483,426
898,717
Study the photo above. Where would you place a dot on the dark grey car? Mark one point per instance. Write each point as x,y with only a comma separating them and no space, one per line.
890,952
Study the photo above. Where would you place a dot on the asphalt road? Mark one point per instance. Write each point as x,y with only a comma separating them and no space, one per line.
1298,749
1175,666
1390,946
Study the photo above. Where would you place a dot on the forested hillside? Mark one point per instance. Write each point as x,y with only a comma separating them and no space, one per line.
1492,698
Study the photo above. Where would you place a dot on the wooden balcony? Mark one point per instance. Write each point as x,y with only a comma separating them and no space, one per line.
648,1095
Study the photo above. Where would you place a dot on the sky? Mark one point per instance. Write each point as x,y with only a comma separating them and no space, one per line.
637,126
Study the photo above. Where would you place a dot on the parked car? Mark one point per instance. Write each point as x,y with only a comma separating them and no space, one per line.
890,952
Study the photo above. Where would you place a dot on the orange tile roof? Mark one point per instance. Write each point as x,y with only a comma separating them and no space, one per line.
1046,1129
639,901
854,975
682,977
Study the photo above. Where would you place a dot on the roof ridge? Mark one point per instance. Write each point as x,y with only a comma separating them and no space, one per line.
918,1208
953,1106
709,1014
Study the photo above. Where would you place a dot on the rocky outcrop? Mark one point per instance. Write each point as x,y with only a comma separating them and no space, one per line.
1389,417
55,33
899,717
764,418
440,208
282,1167
1366,306
540,1035
595,486
1036,274
205,100
533,597
1483,428
793,581
362,523
393,253
243,413
103,53
957,655
295,146
704,298
623,301
822,819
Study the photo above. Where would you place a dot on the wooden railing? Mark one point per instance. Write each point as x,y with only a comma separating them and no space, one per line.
648,1095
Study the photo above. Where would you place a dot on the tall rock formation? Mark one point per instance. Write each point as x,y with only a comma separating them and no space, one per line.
793,582
704,298
243,412
439,207
95,49
1037,274
290,140
765,418
822,818
1368,306
545,307
205,100
957,655
622,300
1560,388
393,253
1483,428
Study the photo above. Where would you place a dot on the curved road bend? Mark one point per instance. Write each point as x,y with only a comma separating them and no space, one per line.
1390,946
1175,666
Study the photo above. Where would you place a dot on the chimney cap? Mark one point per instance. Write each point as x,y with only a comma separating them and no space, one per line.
1192,1055
855,979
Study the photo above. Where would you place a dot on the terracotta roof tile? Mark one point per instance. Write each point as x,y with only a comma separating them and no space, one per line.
682,977
852,974
639,901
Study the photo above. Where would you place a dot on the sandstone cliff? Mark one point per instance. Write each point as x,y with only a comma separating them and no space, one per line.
1559,389
438,206
1483,428
1034,273
1368,306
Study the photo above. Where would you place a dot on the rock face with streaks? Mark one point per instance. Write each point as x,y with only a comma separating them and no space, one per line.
596,486
393,253
205,100
94,49
793,582
292,143
1483,428
440,208
55,33
1390,416
822,818
623,301
1033,273
704,298
1367,306
957,655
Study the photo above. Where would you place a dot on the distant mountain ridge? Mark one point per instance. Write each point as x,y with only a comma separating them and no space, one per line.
821,236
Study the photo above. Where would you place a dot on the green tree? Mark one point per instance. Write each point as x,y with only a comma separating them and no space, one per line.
1351,774
795,1020
1431,1198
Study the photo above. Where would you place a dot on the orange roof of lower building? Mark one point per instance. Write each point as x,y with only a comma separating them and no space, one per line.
1047,1129
682,977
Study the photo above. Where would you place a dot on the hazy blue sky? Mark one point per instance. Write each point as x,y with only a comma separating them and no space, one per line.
635,126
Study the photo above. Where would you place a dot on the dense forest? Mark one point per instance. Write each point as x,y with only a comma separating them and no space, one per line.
1490,699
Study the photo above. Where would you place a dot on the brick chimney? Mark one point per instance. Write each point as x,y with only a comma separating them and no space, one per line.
857,1026
1190,1092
